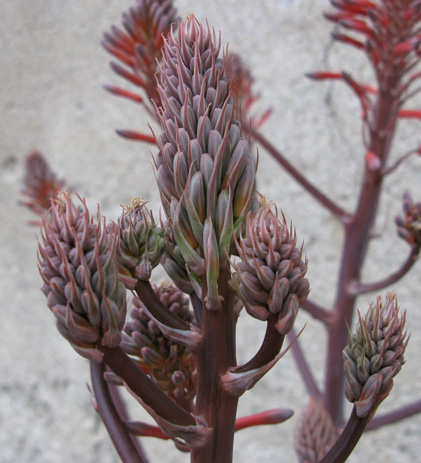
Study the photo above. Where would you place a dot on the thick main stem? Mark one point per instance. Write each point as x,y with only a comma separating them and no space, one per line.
356,239
214,356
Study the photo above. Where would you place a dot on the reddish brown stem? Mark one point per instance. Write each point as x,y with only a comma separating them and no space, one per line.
303,366
356,288
144,388
356,239
148,297
214,356
116,429
347,440
315,192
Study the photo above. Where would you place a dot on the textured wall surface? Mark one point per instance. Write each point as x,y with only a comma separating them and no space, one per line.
51,71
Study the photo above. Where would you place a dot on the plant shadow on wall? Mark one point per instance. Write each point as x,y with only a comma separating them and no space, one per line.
228,251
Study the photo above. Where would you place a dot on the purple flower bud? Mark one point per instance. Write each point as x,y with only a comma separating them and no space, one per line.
204,167
141,243
374,355
268,282
77,261
170,364
315,433
409,226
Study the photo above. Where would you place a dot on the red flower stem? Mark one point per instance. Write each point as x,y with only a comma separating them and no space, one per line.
141,385
395,415
358,288
348,439
121,439
303,366
148,297
315,192
357,235
214,355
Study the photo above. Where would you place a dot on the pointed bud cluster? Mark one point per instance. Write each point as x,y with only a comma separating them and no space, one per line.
315,433
40,184
409,226
141,243
271,273
174,265
374,355
77,261
205,170
170,364
139,46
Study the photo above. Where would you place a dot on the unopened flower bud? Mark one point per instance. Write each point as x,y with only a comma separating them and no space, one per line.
205,169
169,364
409,226
374,355
141,243
271,273
77,261
315,433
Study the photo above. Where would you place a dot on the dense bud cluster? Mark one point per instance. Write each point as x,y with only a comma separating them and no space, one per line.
271,273
374,355
409,226
205,171
170,364
141,243
77,261
315,434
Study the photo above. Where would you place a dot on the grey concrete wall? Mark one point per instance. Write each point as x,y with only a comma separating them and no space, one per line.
51,72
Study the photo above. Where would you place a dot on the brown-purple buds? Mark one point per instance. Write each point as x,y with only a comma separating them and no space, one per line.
141,243
374,355
170,364
315,433
77,261
205,170
271,273
409,226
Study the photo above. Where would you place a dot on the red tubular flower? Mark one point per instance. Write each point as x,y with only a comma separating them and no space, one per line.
138,48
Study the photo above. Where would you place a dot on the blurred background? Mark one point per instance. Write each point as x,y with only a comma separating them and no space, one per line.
52,68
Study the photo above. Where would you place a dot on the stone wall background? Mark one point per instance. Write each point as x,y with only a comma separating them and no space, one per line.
51,72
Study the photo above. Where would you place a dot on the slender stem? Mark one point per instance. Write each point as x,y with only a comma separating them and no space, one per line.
315,192
356,288
214,355
316,311
396,415
116,429
124,416
348,439
144,388
356,239
148,297
270,348
303,366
